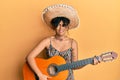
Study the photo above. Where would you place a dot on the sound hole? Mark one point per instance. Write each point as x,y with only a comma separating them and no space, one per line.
52,70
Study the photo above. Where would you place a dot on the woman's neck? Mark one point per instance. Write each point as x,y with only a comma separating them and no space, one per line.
60,38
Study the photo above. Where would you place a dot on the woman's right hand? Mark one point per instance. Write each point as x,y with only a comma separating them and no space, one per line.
44,77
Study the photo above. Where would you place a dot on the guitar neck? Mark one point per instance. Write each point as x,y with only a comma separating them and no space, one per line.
75,64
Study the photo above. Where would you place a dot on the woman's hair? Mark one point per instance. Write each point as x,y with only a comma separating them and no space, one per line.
55,21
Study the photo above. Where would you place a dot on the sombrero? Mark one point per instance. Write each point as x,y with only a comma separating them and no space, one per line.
61,10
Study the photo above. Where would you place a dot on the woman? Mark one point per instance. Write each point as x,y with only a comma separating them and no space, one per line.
60,21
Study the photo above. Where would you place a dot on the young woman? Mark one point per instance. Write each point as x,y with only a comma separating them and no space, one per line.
63,18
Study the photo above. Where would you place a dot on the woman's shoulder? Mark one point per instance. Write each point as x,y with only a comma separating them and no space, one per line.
47,39
72,39
73,42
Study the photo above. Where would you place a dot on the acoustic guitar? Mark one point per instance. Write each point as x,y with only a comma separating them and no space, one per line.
57,68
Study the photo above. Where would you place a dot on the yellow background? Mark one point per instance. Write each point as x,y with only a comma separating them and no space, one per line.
21,29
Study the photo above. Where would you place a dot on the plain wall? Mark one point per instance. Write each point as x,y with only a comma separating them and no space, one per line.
21,29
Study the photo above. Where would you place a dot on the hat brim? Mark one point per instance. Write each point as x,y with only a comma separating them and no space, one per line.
61,10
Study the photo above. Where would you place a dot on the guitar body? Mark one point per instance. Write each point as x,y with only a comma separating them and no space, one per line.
43,65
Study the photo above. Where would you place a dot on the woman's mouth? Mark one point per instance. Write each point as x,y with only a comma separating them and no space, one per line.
61,31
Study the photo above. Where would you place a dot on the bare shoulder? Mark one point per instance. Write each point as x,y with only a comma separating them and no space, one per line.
45,40
73,41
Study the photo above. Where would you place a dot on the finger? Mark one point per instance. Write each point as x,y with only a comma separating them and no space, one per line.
48,76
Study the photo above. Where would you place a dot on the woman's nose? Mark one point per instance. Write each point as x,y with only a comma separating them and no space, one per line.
60,27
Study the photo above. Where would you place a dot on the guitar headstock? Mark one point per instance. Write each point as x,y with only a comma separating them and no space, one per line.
108,56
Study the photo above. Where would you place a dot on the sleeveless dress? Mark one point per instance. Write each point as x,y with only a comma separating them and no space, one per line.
67,55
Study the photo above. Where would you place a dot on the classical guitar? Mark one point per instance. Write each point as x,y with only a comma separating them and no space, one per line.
57,68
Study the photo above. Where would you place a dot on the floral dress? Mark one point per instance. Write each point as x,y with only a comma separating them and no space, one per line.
67,55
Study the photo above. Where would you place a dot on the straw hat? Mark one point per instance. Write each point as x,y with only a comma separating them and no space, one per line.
61,10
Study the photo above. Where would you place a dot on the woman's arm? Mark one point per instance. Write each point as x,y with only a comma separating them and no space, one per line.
74,50
31,56
75,54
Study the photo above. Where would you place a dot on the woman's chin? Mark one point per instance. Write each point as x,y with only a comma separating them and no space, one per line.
61,34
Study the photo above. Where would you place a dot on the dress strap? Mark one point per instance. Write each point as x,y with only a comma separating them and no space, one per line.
50,41
50,46
71,42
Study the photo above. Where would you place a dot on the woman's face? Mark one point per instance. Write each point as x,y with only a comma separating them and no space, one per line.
61,30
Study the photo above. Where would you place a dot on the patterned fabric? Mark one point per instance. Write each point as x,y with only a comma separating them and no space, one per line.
67,55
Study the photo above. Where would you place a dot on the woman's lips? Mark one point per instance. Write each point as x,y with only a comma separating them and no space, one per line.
61,31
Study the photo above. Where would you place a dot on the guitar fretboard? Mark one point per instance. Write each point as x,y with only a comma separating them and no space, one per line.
75,64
